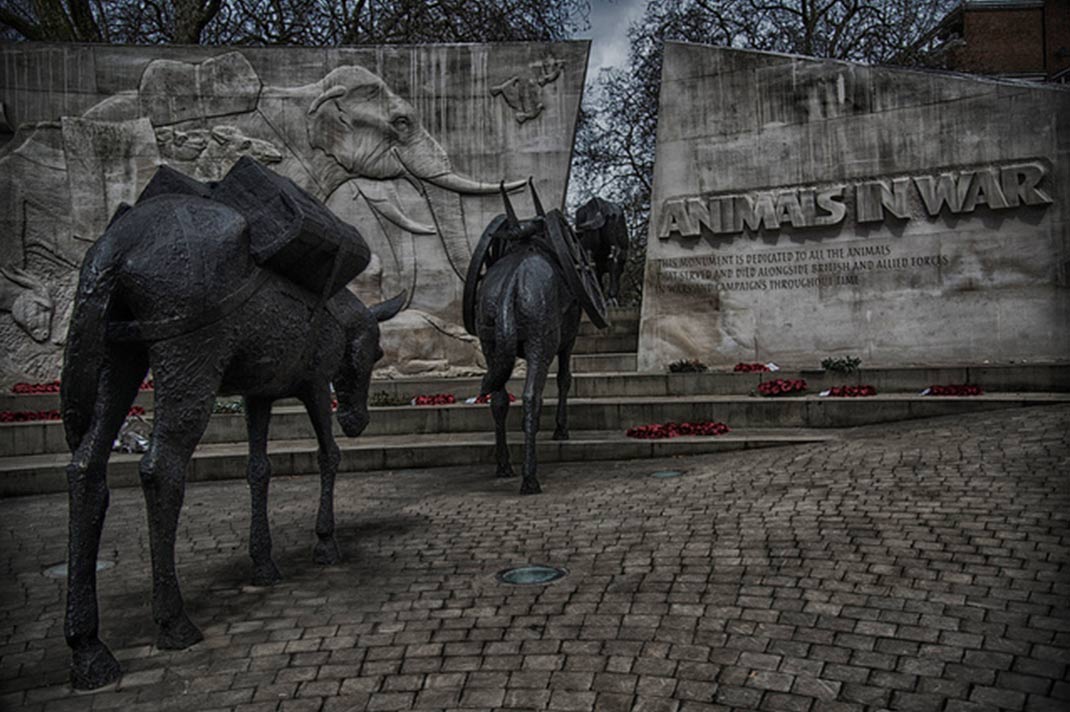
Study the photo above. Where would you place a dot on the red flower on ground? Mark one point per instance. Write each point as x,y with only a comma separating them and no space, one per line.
26,416
780,387
435,399
962,389
852,391
33,388
29,416
22,389
660,431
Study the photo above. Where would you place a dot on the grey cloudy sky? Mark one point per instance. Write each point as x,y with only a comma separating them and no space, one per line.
609,32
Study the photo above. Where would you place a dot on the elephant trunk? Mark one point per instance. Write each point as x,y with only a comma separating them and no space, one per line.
443,188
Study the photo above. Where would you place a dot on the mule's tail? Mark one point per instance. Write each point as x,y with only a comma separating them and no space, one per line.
500,363
83,357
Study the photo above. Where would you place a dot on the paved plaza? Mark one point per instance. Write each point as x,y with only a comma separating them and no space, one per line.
917,566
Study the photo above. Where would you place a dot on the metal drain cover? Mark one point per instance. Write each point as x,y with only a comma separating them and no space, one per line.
60,570
666,474
529,575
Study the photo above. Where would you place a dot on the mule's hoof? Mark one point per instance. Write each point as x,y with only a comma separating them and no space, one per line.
326,552
93,666
266,574
530,487
506,471
560,435
179,634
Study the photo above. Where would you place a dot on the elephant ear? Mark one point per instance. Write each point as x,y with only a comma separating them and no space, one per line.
326,127
390,308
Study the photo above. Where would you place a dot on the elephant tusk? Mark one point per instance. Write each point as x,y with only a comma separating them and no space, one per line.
457,183
392,213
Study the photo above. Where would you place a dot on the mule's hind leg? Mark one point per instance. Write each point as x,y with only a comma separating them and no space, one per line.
564,385
184,399
499,406
92,664
317,402
499,369
257,420
538,366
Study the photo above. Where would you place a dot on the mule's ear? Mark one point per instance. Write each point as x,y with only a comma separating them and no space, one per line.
389,309
535,198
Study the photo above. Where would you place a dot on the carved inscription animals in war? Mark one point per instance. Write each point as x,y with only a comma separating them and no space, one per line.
954,192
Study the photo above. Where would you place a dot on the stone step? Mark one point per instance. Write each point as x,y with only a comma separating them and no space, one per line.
621,362
37,474
606,343
616,327
1046,378
291,422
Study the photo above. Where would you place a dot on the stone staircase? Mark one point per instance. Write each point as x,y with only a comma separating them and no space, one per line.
607,397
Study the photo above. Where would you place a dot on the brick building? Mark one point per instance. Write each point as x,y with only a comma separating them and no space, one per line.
1027,39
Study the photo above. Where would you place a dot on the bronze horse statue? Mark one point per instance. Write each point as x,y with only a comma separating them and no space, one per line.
603,232
173,285
527,283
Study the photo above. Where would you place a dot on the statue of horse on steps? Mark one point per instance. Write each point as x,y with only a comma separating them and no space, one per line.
526,284
603,232
175,285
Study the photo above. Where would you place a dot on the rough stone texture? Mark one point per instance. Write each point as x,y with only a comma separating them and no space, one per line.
416,342
934,286
914,566
94,121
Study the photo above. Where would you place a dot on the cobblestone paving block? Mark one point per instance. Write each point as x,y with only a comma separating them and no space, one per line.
914,566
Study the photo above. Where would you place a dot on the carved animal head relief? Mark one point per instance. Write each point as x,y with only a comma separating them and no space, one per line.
376,137
212,151
29,302
234,144
523,94
373,133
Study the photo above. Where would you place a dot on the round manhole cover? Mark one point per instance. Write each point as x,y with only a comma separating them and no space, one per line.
60,570
535,574
666,474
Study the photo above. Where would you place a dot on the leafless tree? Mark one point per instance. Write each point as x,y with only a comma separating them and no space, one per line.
61,20
291,22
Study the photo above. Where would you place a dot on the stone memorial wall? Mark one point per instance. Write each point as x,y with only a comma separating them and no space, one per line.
409,144
809,208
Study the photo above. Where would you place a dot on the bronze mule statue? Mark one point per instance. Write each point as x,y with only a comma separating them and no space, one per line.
526,285
603,232
183,283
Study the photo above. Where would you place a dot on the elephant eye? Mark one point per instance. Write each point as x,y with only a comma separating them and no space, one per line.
401,123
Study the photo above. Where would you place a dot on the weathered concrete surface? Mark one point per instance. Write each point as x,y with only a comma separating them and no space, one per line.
919,566
388,143
804,145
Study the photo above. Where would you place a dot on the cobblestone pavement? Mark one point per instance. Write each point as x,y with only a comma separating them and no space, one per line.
921,566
